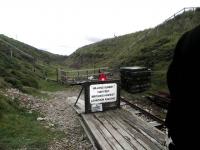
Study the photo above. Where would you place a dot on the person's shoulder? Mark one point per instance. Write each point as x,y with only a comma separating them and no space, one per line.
196,29
194,33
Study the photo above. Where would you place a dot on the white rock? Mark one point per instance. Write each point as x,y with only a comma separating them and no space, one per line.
51,125
30,112
40,119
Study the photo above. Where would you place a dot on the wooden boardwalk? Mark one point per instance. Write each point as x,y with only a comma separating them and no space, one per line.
119,129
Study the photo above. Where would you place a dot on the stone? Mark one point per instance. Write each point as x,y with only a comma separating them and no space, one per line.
40,119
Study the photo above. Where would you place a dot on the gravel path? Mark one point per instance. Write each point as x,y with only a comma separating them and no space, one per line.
60,112
59,115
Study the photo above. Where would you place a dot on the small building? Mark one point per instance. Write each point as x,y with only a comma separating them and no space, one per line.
135,79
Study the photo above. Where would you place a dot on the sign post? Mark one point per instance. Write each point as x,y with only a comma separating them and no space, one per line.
101,95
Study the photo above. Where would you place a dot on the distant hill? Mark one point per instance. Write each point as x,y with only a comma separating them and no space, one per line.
152,48
22,65
17,46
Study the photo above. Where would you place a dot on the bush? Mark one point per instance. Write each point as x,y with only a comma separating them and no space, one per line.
3,84
26,79
15,82
3,72
30,81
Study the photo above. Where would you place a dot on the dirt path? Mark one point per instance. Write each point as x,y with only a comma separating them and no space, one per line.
58,114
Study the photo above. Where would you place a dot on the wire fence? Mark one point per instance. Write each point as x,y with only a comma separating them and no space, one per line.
142,37
17,49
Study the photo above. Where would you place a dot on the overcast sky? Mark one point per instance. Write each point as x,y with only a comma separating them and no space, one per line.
62,26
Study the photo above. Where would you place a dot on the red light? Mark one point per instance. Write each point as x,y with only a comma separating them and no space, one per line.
102,77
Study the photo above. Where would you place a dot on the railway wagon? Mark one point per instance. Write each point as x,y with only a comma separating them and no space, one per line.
135,79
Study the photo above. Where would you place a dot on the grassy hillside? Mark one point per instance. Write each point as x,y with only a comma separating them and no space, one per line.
20,130
26,69
152,48
27,66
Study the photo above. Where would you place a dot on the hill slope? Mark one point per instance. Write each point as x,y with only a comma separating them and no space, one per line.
152,48
22,65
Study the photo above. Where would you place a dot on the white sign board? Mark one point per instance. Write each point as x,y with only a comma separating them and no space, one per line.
96,107
103,93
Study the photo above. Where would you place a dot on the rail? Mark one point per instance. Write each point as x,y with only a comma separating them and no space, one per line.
156,28
161,99
161,121
180,12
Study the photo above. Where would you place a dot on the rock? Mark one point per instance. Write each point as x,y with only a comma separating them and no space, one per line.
51,125
82,138
30,112
40,119
47,127
37,105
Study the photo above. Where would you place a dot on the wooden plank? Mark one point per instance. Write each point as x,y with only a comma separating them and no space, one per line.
90,137
154,123
80,105
107,135
100,140
119,138
125,133
78,109
140,138
141,126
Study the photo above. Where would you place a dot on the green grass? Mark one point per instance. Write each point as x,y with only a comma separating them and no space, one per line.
19,129
51,86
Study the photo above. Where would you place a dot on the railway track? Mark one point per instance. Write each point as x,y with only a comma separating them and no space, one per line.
159,123
161,99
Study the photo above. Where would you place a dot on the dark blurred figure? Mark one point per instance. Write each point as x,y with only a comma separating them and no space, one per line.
183,82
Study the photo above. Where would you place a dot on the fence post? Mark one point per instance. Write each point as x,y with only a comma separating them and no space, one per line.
78,75
11,53
57,74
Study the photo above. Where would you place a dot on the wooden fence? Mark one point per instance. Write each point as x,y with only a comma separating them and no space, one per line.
75,76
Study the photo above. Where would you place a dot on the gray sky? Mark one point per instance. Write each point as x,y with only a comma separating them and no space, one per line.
62,26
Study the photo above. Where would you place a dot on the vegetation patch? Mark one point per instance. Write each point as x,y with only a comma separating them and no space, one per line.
51,86
19,129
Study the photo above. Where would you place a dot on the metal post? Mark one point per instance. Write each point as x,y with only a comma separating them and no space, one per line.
78,96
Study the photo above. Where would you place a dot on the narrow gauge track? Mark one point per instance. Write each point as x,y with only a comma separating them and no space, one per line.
161,99
146,113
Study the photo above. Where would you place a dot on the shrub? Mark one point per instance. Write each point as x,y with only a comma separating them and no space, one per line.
3,72
30,81
15,82
26,79
3,84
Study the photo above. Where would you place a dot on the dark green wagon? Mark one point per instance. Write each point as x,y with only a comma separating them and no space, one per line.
135,79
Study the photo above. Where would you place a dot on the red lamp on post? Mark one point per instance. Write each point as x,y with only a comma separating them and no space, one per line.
102,77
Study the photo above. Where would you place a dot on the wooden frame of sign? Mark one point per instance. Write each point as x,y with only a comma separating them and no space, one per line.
101,95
